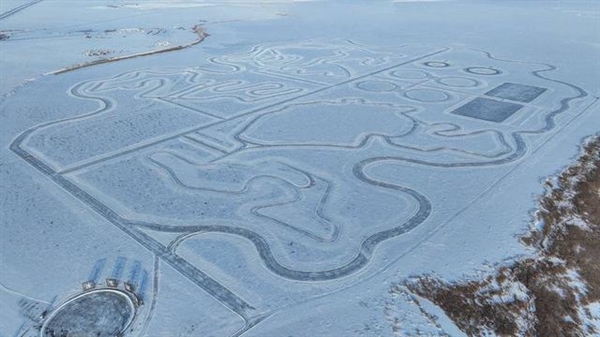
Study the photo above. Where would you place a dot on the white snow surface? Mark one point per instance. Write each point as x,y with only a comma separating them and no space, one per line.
282,177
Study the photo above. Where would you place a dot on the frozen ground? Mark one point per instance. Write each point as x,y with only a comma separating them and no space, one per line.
284,175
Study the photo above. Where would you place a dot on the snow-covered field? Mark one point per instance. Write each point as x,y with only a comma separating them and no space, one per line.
286,174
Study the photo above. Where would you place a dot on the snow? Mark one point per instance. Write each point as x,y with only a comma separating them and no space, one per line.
282,176
150,5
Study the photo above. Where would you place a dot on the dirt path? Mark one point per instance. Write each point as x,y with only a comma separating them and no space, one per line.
202,34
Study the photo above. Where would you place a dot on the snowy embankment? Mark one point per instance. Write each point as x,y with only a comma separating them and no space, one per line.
556,292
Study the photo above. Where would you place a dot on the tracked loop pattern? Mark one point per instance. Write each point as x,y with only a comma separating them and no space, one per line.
280,146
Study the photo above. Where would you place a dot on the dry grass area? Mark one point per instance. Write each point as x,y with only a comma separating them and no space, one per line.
550,294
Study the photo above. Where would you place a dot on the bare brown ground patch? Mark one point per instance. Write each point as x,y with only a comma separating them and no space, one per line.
546,295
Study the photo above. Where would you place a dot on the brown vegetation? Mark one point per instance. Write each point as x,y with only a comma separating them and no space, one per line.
546,295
